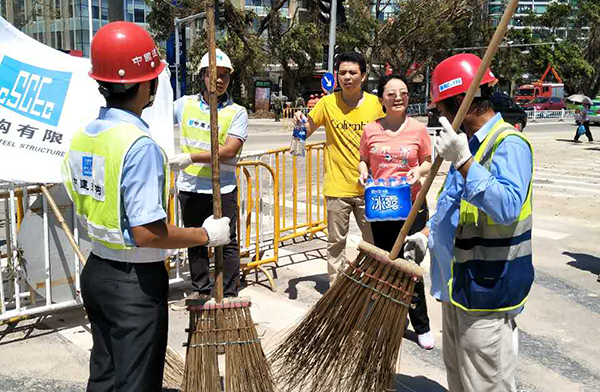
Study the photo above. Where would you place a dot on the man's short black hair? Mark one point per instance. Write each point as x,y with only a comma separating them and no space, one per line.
117,94
481,104
352,57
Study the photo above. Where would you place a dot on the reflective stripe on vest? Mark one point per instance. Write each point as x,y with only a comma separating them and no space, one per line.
92,171
486,251
195,135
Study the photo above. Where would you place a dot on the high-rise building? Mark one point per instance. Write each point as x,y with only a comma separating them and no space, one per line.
526,7
65,24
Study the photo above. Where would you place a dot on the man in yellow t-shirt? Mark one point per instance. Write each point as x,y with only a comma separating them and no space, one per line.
344,114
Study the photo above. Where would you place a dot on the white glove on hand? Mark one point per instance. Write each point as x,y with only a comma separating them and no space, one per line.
415,247
180,161
452,147
217,230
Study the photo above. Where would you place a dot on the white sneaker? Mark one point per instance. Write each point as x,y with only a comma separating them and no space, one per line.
426,340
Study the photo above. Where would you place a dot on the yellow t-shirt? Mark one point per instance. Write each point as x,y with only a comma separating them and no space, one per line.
343,129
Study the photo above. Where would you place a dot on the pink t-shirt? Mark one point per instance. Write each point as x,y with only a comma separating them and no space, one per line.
393,154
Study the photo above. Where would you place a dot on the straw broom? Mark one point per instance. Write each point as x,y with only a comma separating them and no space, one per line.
222,325
174,365
351,339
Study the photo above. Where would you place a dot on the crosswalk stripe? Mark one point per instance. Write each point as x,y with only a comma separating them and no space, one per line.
564,176
556,181
574,188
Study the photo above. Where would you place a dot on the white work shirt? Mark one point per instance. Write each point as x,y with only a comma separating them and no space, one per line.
238,129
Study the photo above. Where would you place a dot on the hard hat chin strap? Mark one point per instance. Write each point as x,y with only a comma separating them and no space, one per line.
153,90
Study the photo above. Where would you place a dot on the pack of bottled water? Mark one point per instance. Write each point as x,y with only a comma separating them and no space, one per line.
298,145
387,199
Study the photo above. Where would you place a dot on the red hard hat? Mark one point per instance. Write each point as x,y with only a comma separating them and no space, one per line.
453,76
123,52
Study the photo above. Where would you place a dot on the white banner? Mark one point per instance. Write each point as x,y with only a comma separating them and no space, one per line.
47,95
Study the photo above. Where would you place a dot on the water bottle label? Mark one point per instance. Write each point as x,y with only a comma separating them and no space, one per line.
384,203
302,133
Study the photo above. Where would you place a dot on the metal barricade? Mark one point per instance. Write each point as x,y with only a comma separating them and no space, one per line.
551,115
282,203
32,232
280,198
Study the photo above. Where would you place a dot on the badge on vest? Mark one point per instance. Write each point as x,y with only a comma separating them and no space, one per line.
87,174
192,122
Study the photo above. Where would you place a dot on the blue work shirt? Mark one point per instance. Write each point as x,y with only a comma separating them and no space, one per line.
142,181
500,193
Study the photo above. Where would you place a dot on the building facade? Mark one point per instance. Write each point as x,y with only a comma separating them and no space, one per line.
65,24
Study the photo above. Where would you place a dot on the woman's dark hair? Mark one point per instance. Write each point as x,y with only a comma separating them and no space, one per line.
352,57
384,81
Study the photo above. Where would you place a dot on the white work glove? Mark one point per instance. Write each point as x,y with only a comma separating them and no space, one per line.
452,147
180,161
415,247
217,230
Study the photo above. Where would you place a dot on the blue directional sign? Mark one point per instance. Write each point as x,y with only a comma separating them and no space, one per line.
328,82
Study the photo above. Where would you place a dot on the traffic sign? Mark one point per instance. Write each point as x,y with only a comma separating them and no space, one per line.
328,82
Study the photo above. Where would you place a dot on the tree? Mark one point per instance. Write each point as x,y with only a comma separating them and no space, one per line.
590,16
242,39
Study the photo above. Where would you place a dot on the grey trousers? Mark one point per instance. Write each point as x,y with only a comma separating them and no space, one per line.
480,350
338,224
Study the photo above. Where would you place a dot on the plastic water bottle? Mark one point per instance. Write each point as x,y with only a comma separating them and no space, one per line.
298,147
393,181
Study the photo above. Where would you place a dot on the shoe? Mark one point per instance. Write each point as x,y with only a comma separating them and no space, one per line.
426,340
181,304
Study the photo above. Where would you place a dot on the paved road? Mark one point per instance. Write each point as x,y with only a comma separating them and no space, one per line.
559,328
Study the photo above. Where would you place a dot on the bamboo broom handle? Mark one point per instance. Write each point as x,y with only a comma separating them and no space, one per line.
214,141
462,111
63,224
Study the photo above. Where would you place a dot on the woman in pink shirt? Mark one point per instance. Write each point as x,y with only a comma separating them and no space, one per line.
398,146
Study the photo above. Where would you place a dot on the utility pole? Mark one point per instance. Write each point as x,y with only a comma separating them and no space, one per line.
332,26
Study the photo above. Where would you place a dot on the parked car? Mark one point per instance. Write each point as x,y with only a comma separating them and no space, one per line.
502,103
594,113
545,103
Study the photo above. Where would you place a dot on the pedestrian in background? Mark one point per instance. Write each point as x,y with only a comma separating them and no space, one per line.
344,115
398,146
118,179
584,120
194,182
480,235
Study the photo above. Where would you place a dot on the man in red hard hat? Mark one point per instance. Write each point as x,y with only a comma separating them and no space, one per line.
117,177
480,235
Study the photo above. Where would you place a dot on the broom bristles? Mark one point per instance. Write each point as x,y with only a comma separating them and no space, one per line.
174,369
225,325
350,340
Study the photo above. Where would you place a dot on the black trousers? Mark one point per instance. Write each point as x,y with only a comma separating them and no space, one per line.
588,132
196,207
384,236
126,304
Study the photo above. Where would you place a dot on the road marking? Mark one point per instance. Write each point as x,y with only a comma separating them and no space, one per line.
554,180
574,188
549,234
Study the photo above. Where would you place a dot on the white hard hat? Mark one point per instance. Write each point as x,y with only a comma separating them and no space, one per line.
222,61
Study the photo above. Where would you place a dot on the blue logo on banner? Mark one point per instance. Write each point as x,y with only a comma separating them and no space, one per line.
327,82
33,92
86,165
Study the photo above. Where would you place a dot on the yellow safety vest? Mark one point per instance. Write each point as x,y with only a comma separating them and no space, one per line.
195,135
92,172
492,268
